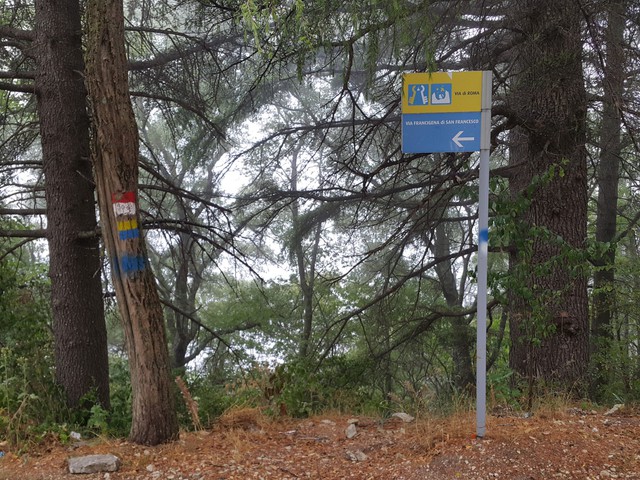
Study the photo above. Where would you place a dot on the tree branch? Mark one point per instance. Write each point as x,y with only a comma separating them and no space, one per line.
211,332
40,233
164,58
184,105
15,247
18,75
16,33
12,87
23,211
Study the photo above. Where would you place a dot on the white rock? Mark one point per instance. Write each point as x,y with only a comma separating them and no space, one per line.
614,409
356,456
351,431
94,464
405,417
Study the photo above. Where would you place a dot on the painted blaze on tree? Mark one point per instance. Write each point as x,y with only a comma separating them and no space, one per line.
548,304
115,158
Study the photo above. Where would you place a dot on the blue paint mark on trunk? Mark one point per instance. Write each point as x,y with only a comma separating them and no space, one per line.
130,264
129,234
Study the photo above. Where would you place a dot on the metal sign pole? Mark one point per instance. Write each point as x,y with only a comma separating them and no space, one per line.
483,249
451,112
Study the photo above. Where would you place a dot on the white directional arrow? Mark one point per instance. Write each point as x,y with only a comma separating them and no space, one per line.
458,139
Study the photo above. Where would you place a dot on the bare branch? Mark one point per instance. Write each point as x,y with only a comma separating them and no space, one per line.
184,105
18,75
23,211
12,87
40,233
15,247
16,33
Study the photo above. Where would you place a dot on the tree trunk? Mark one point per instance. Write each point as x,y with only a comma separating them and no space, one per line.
116,163
79,329
607,176
306,278
181,328
307,283
548,311
461,338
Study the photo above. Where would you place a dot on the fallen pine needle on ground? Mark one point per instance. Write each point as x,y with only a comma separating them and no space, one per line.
569,443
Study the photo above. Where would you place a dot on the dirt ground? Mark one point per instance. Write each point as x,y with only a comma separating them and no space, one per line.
569,443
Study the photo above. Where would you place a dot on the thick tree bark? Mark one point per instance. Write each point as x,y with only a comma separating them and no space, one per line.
116,164
607,176
548,311
79,329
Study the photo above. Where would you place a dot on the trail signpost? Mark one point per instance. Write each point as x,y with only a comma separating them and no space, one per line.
451,112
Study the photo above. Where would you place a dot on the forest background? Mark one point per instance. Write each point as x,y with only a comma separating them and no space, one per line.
295,258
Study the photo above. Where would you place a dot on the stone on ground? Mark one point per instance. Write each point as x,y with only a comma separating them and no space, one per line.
94,464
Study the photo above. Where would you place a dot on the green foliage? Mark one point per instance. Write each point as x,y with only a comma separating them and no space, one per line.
380,38
363,33
298,388
214,399
424,401
618,360
118,421
32,407
506,228
502,387
99,420
511,229
29,398
340,383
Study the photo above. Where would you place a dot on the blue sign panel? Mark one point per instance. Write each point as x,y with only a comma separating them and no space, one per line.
441,132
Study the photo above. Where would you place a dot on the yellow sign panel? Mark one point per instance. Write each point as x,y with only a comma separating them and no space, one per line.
442,92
